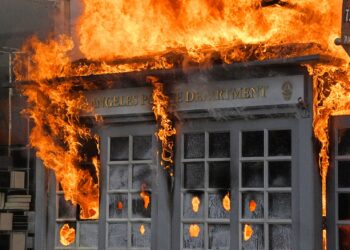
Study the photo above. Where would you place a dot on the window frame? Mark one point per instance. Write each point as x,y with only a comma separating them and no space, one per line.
235,127
333,222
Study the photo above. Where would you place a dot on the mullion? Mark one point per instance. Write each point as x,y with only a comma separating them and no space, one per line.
129,188
206,186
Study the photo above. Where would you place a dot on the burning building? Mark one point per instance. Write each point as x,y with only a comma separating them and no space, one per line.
189,125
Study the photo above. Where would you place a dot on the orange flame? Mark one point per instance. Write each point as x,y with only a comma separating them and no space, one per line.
194,230
145,197
252,206
120,205
67,235
142,229
226,202
195,204
247,232
166,130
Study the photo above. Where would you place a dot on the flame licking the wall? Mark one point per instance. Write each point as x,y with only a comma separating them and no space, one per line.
67,235
166,131
111,33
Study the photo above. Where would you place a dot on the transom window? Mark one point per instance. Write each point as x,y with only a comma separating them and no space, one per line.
129,187
265,190
205,192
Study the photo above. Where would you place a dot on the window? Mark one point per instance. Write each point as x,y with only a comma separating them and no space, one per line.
265,190
205,192
342,189
86,231
129,189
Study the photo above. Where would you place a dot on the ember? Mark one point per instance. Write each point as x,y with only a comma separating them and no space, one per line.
194,230
195,204
247,232
252,206
142,229
226,202
145,197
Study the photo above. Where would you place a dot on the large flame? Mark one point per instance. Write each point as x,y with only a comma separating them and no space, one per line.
168,33
166,130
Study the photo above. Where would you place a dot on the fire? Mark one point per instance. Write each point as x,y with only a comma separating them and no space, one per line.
194,230
67,235
247,232
120,36
252,206
166,130
145,197
120,205
226,202
142,229
195,204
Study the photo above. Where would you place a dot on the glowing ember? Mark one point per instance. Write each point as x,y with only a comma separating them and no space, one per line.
67,235
145,197
195,204
194,230
142,229
252,206
166,131
226,202
120,205
247,232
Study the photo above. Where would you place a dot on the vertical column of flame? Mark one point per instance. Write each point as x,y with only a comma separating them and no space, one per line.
166,131
331,98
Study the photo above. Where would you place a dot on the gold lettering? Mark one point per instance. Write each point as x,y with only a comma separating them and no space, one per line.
178,97
263,91
115,101
237,93
220,94
129,100
189,96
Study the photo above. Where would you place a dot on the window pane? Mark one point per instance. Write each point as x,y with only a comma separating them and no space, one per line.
252,174
66,210
193,236
344,174
219,204
194,175
253,237
253,205
194,146
219,145
141,176
88,235
253,143
219,236
280,237
118,205
118,177
117,235
119,149
141,205
344,237
219,175
142,147
344,206
280,174
280,205
193,203
141,235
71,239
280,142
344,141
